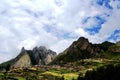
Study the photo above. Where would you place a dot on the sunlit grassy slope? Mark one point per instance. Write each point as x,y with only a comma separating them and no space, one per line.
59,73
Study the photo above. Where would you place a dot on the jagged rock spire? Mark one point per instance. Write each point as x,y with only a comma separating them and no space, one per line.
23,50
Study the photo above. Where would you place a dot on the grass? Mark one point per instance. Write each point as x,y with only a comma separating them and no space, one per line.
70,76
111,56
52,73
67,76
1,74
66,72
20,78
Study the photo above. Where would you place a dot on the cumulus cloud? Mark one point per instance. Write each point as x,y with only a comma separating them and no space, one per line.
61,45
55,23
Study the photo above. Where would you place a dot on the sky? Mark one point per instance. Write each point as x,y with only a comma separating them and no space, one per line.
55,24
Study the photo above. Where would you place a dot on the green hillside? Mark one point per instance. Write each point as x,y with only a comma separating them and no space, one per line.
83,49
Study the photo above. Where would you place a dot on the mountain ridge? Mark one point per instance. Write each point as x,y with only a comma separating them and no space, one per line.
82,49
78,50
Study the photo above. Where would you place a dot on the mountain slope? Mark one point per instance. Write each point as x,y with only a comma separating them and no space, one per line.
115,48
81,49
23,61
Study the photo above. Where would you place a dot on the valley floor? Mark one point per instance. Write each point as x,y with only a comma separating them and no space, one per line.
69,71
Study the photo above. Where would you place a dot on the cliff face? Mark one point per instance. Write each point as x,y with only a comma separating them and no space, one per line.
37,56
41,55
23,61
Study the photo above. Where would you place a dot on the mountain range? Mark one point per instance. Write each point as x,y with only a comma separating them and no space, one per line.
78,50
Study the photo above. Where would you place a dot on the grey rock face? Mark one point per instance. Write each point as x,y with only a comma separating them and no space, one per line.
39,55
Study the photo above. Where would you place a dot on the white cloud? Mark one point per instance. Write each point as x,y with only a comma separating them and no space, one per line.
33,23
61,45
81,32
110,25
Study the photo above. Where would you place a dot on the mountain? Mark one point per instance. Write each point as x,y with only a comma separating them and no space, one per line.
82,49
78,50
26,58
82,60
115,48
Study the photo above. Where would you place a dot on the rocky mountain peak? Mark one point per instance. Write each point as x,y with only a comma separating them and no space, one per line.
23,50
82,39
36,56
82,43
40,55
42,51
43,48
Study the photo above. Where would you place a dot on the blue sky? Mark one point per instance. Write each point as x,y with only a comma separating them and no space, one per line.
55,23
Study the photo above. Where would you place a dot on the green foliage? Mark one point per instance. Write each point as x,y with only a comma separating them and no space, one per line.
5,77
109,72
61,71
76,55
110,55
105,45
58,59
31,77
65,71
6,65
62,78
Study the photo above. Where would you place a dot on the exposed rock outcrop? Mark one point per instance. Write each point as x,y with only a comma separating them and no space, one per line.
27,58
41,55
23,61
